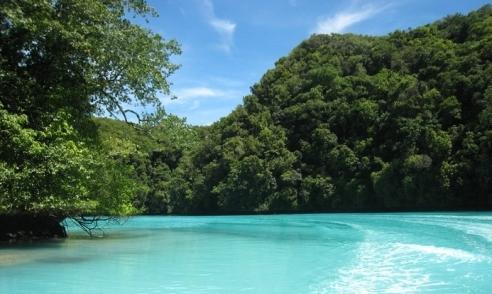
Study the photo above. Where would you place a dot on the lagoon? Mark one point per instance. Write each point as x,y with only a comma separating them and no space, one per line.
306,253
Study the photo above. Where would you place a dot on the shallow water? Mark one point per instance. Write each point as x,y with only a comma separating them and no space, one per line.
315,253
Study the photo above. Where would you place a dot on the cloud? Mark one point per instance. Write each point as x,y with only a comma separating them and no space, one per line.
193,96
225,28
203,105
196,92
339,22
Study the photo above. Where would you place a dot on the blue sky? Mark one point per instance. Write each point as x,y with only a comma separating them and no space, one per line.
229,44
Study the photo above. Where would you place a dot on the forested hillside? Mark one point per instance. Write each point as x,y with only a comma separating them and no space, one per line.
152,152
348,122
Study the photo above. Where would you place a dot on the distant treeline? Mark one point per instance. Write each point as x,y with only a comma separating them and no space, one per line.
344,122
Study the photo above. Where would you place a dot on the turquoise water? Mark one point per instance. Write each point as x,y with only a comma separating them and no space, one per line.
316,253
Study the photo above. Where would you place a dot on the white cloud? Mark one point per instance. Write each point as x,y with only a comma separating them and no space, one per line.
196,92
339,22
203,105
225,28
193,96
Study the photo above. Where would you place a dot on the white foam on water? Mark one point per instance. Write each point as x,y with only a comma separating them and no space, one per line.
394,268
441,253
478,229
480,226
376,270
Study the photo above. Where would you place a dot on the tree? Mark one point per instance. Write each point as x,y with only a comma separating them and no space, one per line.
60,63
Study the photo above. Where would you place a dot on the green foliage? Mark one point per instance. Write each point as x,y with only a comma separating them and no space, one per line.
350,122
50,172
152,155
79,56
61,62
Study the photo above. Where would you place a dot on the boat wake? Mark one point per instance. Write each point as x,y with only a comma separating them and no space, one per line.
399,268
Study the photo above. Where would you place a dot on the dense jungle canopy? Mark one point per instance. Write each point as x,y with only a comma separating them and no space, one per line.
343,123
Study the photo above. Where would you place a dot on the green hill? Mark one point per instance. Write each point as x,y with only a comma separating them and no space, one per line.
344,122
348,122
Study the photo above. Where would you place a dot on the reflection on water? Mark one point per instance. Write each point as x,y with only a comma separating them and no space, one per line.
110,236
8,259
324,253
64,259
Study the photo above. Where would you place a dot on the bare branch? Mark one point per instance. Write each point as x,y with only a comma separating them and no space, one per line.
91,224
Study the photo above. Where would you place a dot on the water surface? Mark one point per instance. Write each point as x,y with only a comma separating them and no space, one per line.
315,253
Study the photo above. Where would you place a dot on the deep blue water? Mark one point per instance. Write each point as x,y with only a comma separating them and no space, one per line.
315,253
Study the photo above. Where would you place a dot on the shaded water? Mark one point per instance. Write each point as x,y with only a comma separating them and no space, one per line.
316,253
